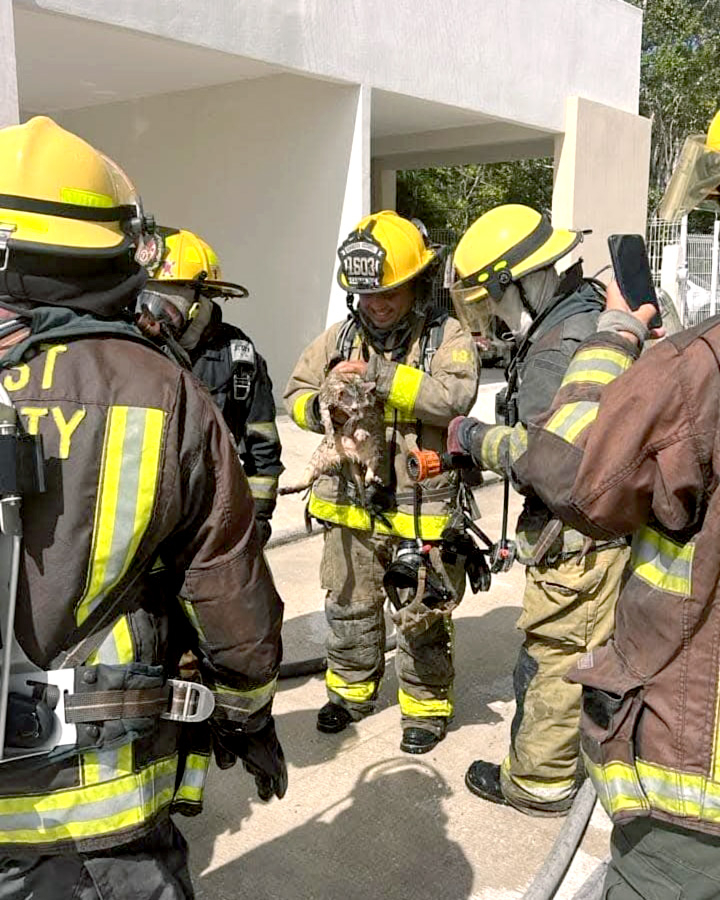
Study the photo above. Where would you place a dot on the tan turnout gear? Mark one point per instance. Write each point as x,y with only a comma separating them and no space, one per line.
418,406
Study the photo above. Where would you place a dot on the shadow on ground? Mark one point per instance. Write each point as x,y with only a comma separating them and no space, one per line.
386,838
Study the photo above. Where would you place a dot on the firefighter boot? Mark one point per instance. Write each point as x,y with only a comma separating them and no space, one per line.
483,779
333,718
419,740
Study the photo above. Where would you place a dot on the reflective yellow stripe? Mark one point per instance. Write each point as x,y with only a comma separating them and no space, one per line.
99,809
264,487
572,419
299,410
125,500
662,562
118,646
618,786
359,692
404,388
266,429
518,442
596,365
402,524
544,791
390,412
236,703
106,765
492,444
191,613
411,706
194,776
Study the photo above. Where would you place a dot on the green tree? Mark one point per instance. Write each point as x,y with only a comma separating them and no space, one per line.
454,196
680,78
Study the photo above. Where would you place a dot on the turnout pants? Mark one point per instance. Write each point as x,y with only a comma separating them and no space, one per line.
151,868
656,861
351,573
568,608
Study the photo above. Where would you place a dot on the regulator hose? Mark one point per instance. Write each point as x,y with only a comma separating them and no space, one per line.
552,872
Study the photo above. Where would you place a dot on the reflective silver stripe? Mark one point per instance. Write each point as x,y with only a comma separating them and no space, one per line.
596,365
266,429
241,704
571,419
55,823
264,487
518,442
662,562
126,498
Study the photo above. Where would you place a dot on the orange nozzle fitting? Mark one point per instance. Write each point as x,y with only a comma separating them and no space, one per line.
422,464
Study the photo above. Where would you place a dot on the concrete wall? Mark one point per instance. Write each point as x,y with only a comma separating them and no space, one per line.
601,176
547,49
8,74
259,169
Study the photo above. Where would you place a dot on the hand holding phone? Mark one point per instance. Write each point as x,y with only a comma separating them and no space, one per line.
632,273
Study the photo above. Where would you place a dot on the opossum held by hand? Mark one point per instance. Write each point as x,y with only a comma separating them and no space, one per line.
353,419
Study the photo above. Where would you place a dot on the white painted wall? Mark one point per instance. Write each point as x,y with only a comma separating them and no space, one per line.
514,59
259,169
356,203
8,74
602,167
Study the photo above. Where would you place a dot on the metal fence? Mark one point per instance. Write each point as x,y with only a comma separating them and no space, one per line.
692,267
447,239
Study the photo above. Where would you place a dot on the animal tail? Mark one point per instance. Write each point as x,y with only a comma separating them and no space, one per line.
293,489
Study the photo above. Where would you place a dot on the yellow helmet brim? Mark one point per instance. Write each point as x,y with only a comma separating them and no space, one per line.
558,244
44,232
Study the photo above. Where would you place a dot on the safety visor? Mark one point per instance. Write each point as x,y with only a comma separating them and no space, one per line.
82,223
170,308
695,181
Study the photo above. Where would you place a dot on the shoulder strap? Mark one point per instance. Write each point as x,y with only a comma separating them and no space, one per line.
346,337
432,336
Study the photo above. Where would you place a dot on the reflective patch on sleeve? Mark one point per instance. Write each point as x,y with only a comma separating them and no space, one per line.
300,409
597,365
662,562
263,487
264,429
492,446
518,442
237,705
572,419
405,387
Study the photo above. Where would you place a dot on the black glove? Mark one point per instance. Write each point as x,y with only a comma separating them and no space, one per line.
264,530
260,752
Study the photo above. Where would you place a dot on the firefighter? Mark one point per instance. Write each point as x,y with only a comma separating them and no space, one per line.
423,365
645,461
139,468
177,308
504,268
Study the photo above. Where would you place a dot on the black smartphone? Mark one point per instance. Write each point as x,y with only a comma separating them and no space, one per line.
632,272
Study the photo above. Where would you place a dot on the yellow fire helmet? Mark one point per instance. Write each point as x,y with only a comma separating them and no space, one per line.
500,247
383,251
187,260
696,179
60,195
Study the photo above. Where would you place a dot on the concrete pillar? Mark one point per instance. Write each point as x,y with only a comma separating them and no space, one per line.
602,165
356,203
384,187
9,112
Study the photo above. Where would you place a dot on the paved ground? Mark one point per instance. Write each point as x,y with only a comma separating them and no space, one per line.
361,819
